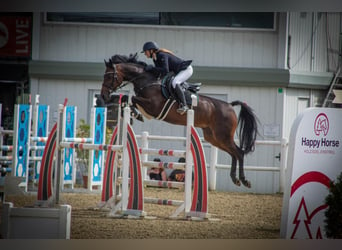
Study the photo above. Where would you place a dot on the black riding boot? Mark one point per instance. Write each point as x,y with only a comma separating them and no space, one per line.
183,107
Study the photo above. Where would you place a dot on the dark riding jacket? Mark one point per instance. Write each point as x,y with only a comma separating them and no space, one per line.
166,63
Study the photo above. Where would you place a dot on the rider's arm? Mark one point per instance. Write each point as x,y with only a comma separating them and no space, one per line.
162,64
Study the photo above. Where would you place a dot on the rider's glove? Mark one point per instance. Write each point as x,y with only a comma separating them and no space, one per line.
148,67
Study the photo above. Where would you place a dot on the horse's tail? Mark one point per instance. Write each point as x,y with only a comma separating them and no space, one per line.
248,127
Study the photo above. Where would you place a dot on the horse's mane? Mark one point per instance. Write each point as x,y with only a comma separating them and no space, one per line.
132,58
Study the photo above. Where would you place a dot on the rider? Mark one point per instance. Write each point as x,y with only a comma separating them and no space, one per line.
165,61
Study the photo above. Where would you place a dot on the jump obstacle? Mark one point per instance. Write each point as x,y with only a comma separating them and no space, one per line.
48,211
55,145
25,141
47,219
125,201
36,222
122,188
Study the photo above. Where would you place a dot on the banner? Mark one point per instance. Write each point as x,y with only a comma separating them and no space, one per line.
15,36
314,160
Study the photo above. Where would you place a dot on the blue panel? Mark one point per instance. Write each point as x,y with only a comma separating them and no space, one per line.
69,133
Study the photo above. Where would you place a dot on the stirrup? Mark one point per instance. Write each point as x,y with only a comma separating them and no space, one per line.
182,109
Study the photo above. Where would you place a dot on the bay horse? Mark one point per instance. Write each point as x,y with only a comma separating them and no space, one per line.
216,118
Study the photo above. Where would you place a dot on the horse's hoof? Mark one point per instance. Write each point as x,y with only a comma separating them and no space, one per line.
140,118
246,183
237,182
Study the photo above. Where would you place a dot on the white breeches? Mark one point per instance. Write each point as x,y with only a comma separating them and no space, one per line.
182,76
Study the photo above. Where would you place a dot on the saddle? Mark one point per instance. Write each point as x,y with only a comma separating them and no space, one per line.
188,88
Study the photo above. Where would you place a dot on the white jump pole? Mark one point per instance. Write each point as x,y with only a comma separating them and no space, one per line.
144,157
59,174
188,157
212,168
125,161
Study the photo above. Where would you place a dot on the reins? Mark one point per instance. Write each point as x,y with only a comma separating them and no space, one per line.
136,89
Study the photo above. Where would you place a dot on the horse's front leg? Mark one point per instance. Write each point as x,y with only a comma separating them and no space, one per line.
136,114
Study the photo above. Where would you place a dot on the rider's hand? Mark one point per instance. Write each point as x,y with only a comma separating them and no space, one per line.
148,67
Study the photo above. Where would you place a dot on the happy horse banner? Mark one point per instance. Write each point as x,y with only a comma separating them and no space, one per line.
314,159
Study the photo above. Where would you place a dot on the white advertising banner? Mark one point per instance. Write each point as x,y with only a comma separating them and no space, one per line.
314,159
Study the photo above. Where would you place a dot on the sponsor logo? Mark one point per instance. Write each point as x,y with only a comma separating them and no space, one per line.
321,125
323,144
309,210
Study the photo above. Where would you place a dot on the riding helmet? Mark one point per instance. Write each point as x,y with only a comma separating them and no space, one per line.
150,45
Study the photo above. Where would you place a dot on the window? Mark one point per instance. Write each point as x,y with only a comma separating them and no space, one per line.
220,19
241,20
151,18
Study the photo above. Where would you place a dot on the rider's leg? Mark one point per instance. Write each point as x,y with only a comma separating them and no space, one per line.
183,107
181,77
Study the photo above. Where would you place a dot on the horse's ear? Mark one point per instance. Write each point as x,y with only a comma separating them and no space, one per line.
109,63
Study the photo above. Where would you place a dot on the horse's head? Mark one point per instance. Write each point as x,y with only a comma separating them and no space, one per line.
122,68
111,80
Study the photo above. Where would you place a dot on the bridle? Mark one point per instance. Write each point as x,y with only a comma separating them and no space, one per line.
110,87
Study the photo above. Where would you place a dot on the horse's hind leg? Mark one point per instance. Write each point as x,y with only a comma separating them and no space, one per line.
235,180
242,172
225,143
239,155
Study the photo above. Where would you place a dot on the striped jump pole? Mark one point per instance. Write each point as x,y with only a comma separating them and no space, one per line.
161,164
163,152
90,146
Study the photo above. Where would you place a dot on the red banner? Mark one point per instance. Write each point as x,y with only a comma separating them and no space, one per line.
15,36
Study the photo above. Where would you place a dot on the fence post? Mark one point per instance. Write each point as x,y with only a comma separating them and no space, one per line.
125,160
212,168
188,160
59,173
283,162
144,157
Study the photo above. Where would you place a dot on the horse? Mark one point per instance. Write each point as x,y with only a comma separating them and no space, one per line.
216,118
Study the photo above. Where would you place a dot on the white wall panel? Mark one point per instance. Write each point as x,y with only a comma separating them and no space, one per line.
205,47
300,30
314,37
